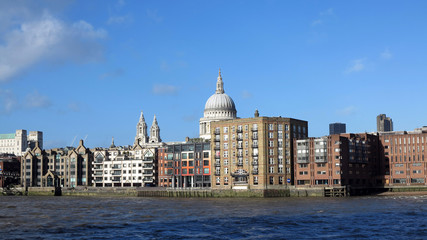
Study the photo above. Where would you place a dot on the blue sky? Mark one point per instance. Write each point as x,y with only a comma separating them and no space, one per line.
85,69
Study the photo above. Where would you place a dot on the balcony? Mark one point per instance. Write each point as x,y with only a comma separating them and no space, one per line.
217,139
147,166
147,160
254,137
217,131
255,172
147,179
240,164
148,173
217,164
116,173
116,167
303,161
255,163
254,129
239,138
254,145
239,130
217,157
217,174
217,148
98,174
254,154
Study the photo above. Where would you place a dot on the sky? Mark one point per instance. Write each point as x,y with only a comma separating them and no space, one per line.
86,69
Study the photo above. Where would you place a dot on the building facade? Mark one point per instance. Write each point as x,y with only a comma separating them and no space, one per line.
337,128
18,142
254,153
338,160
10,170
384,123
190,164
405,157
218,107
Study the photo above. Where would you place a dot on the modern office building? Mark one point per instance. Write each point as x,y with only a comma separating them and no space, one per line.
254,153
17,143
165,167
218,107
384,123
405,157
337,160
191,163
336,128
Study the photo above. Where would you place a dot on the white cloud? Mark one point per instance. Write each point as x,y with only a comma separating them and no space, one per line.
36,100
112,74
316,22
152,14
46,38
8,101
386,54
347,111
327,12
246,94
164,89
356,66
119,19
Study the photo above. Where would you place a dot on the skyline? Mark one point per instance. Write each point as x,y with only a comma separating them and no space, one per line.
76,68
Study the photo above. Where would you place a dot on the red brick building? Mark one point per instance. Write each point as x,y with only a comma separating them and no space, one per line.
337,160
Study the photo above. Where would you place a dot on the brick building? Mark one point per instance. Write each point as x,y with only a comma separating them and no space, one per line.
338,160
254,153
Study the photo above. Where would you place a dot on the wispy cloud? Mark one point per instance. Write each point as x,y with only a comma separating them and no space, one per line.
74,106
112,74
347,111
45,38
356,66
119,19
329,11
164,89
386,54
246,94
36,100
8,101
316,22
153,15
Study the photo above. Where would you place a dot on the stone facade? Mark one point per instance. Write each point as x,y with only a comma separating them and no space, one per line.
17,143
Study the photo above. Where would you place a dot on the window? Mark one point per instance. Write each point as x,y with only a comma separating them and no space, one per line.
255,180
270,126
303,173
271,170
271,180
271,135
225,180
205,154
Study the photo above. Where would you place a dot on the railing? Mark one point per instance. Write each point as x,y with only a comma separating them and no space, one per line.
254,137
254,163
254,154
255,172
217,173
254,145
217,139
217,164
254,129
239,164
217,148
217,132
239,130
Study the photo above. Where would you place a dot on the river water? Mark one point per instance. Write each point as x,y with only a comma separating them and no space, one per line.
226,218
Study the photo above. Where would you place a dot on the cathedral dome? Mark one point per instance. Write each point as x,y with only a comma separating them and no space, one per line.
220,102
220,105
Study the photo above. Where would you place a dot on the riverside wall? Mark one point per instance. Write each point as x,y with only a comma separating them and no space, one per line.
209,193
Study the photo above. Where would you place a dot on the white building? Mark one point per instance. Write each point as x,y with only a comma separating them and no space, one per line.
18,142
218,107
133,166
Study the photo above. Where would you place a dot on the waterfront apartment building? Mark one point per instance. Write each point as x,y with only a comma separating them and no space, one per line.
190,163
405,157
336,128
254,153
18,142
125,166
165,167
338,160
384,123
70,165
10,170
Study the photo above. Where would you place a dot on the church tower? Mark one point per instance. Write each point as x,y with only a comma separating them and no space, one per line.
155,132
141,131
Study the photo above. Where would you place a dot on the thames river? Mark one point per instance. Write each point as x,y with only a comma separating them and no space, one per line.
201,218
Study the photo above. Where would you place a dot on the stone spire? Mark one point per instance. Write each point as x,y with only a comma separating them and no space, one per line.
219,84
141,130
155,132
112,143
